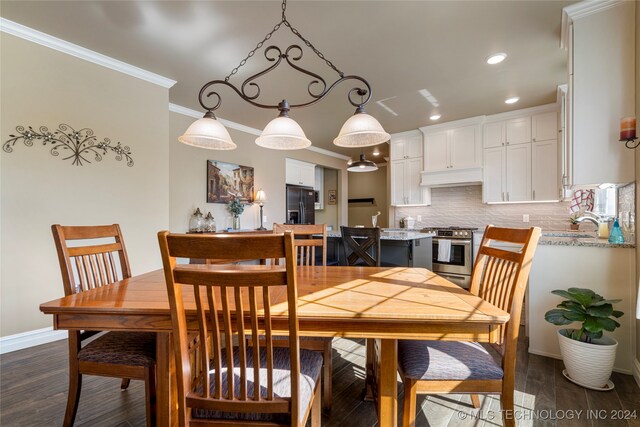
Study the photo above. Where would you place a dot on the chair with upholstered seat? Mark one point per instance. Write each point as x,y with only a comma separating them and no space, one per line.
127,355
361,245
305,247
500,277
269,385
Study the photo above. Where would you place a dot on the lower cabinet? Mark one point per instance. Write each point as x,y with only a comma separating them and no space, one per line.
394,253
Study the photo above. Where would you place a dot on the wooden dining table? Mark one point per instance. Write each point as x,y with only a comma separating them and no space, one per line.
353,302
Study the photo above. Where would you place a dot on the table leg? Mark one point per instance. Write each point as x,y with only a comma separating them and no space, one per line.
388,390
165,382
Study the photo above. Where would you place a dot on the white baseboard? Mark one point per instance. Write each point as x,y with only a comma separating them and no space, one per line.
636,370
30,339
622,371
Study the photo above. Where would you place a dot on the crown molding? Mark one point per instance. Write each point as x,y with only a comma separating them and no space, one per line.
63,46
477,120
522,112
580,10
247,129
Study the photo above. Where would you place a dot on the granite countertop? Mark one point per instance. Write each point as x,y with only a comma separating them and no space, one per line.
392,234
577,238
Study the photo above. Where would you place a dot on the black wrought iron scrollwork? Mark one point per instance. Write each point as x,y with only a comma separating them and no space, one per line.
80,144
317,89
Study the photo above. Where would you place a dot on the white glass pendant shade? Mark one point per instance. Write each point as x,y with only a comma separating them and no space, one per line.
362,165
283,133
208,132
361,130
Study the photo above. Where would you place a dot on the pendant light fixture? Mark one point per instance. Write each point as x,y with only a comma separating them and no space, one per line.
283,133
362,165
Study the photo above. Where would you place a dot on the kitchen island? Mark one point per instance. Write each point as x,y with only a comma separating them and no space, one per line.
397,248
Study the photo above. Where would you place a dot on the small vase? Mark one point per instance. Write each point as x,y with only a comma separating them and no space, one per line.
236,223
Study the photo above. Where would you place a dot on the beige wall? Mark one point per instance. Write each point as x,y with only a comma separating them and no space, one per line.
329,215
43,87
187,182
366,185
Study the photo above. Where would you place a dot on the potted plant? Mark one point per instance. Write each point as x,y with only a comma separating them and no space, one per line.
588,355
235,208
573,224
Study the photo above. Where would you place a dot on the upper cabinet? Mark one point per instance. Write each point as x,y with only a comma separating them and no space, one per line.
599,38
319,188
300,173
521,156
405,166
453,153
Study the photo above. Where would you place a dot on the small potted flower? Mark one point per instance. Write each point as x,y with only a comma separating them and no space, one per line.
235,207
573,223
587,355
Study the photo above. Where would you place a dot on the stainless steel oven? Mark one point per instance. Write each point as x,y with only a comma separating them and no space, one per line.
459,266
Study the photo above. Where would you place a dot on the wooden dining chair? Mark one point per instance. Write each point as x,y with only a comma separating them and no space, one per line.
90,263
358,242
241,385
305,247
499,277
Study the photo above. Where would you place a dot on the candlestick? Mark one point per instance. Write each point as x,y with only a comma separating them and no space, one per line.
628,132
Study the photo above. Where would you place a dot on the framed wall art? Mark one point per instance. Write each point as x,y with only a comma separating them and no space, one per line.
226,181
333,198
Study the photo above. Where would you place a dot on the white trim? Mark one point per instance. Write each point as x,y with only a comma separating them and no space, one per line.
30,339
636,371
557,356
522,112
406,134
477,120
328,153
63,46
580,10
179,109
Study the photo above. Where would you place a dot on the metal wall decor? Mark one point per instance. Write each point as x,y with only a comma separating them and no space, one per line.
79,144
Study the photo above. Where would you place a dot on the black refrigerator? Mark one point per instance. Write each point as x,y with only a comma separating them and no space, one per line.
300,205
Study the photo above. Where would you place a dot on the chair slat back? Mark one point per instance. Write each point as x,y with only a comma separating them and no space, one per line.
91,265
305,244
232,304
358,241
500,274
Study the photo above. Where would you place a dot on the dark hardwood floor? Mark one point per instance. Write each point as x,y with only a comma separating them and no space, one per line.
33,392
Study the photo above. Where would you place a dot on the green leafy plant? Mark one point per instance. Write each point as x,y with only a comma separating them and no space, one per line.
573,217
235,207
584,305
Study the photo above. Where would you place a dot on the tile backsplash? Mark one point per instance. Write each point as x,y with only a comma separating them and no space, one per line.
462,206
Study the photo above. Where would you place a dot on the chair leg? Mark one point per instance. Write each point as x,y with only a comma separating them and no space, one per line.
508,416
409,405
316,409
150,395
327,376
475,401
73,398
125,383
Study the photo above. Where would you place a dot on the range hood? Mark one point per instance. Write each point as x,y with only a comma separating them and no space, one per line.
452,178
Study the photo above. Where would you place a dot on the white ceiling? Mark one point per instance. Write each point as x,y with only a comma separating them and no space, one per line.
400,47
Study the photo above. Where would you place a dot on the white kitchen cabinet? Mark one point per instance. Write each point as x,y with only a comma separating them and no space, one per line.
406,164
600,40
544,173
507,132
507,174
406,145
607,271
319,187
452,146
300,173
544,126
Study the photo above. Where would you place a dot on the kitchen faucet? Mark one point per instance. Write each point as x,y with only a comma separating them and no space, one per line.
591,217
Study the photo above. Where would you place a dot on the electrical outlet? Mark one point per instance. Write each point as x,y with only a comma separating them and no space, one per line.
419,218
525,217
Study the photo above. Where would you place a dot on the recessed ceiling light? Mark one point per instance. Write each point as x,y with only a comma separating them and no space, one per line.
435,117
512,100
496,58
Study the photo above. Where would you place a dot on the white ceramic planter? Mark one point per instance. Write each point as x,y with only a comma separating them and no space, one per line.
588,364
